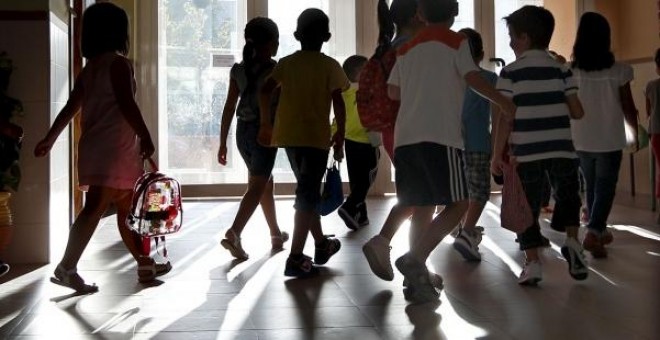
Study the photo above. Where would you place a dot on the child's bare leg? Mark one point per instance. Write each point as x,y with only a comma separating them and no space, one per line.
397,215
440,227
304,221
131,239
421,219
268,207
472,215
97,200
249,202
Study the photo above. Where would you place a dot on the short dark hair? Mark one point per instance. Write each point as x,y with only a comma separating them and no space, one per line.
475,41
438,11
402,12
352,66
657,57
535,21
591,51
313,26
104,29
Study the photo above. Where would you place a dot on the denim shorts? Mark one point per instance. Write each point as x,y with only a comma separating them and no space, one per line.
308,165
563,176
259,159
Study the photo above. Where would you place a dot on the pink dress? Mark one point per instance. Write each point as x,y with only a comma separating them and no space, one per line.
109,149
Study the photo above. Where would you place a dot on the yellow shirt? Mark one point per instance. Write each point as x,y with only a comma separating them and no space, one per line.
307,80
354,130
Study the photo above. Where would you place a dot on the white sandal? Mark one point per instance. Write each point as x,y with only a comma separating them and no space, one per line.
71,279
277,242
234,247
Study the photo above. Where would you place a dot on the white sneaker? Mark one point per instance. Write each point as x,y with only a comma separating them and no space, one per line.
531,274
577,264
377,252
467,243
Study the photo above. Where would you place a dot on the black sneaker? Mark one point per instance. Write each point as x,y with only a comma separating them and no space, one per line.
4,268
362,217
349,216
300,266
328,247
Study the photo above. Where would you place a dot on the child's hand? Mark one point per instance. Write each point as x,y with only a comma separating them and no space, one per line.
265,135
222,155
43,148
496,166
146,147
338,145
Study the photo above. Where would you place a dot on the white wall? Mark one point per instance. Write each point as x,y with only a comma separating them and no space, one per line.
38,45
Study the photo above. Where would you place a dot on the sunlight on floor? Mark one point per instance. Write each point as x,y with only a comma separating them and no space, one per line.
637,231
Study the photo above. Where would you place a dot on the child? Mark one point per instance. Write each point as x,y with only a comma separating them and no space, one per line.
540,136
476,136
652,94
309,82
114,141
261,36
428,141
604,91
361,155
403,13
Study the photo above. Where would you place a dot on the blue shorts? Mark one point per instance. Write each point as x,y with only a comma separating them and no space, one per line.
308,165
259,159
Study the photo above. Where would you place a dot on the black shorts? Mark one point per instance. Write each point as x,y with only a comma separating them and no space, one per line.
308,165
429,174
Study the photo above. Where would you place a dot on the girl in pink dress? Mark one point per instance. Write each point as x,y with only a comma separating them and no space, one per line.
113,143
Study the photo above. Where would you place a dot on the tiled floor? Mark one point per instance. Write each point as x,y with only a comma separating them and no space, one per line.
209,296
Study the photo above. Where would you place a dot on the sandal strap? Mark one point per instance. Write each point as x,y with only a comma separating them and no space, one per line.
68,272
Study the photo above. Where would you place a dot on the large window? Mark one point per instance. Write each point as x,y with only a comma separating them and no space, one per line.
200,40
199,43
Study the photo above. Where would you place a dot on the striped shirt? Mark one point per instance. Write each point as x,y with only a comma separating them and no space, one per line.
538,85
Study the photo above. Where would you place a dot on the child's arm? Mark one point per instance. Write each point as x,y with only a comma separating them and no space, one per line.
629,111
227,117
122,78
265,97
500,135
394,92
340,119
488,91
67,113
575,109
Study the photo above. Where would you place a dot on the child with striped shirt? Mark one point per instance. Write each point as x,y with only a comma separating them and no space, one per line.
539,137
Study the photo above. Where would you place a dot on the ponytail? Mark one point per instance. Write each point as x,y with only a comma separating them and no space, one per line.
249,52
385,27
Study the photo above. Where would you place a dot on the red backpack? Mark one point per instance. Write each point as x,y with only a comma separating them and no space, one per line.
375,108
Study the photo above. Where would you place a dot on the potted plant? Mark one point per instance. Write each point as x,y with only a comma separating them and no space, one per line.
11,136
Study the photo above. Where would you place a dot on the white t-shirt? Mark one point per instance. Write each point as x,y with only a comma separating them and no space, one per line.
602,129
430,71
